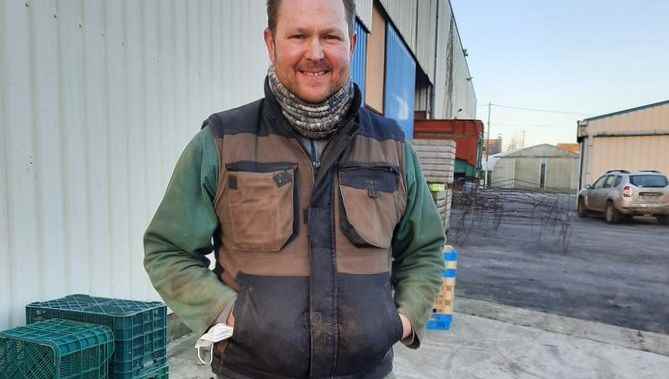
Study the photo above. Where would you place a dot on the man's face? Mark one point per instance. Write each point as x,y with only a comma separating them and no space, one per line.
311,48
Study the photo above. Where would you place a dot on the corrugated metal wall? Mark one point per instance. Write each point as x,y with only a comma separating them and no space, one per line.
426,34
628,153
416,23
400,84
364,10
454,94
442,95
525,173
403,15
423,101
359,66
97,99
463,96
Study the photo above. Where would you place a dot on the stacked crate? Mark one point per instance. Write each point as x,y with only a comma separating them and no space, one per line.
56,349
437,161
442,313
139,328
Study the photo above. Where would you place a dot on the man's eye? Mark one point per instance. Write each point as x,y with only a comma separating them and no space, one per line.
297,36
332,37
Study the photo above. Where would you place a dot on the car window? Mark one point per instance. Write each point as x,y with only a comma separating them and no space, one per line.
600,182
652,181
619,179
609,181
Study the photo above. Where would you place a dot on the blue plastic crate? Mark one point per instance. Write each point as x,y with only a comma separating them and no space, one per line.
140,328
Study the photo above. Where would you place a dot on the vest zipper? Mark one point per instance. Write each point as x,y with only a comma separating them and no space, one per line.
315,159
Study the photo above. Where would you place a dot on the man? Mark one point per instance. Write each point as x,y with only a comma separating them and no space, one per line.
312,203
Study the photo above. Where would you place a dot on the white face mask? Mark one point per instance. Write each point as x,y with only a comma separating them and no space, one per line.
215,334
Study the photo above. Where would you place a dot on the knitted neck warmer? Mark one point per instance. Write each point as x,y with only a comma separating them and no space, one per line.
314,121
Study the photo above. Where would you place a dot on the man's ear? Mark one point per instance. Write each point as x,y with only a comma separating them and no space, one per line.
271,45
354,41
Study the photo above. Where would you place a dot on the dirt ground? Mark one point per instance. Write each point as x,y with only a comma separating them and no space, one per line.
615,274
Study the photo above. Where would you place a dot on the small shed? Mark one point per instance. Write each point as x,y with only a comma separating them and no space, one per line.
541,167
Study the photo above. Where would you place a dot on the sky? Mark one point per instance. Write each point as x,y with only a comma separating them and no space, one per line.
583,58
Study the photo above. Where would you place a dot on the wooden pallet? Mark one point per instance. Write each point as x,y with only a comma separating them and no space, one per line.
437,159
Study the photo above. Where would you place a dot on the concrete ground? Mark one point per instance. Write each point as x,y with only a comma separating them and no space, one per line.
615,274
514,343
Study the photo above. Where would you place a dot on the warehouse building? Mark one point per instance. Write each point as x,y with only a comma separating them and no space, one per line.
632,139
537,168
98,98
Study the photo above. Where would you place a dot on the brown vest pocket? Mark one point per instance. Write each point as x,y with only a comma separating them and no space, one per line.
258,206
371,205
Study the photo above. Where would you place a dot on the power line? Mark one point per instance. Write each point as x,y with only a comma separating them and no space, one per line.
535,109
521,125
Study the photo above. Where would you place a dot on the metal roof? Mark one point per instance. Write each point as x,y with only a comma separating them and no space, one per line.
665,102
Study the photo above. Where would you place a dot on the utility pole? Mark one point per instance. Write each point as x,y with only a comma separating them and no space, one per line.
487,145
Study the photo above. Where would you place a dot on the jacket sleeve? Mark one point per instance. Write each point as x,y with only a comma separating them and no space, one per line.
417,244
180,236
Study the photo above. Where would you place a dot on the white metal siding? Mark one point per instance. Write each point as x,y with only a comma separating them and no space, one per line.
454,89
403,15
364,10
464,98
426,34
443,63
97,99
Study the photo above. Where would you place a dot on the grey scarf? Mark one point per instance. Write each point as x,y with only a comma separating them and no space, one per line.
314,121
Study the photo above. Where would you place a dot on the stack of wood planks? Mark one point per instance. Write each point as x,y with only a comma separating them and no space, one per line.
437,161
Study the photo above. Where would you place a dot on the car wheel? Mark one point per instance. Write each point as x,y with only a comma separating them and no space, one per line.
663,220
611,214
580,208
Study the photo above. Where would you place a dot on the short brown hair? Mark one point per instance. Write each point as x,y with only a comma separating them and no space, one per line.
273,11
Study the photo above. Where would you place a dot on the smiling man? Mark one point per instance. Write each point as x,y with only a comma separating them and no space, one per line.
327,241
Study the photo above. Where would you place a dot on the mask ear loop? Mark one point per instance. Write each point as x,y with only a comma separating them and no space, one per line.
211,355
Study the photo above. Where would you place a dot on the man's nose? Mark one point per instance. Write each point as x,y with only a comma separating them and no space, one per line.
315,50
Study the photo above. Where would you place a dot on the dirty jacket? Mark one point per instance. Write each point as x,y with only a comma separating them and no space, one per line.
316,258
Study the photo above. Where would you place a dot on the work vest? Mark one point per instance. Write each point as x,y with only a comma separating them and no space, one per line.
307,245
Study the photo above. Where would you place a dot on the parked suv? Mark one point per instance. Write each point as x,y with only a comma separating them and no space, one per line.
623,194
